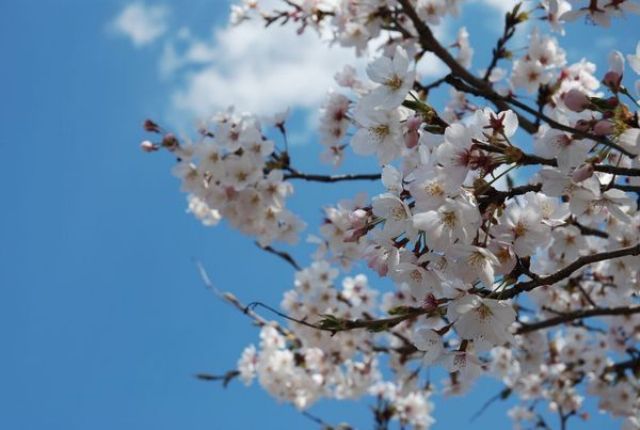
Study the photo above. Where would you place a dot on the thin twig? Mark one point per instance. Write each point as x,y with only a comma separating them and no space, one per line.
233,301
502,395
225,378
335,325
282,254
294,174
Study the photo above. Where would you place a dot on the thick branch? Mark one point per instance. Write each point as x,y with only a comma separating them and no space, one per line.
589,231
577,315
567,271
430,43
531,159
627,188
503,104
496,196
619,368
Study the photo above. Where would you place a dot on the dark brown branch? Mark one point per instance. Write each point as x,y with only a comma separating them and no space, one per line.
559,126
294,174
627,188
502,395
616,170
428,87
619,368
494,98
577,315
233,301
531,159
511,20
282,254
225,378
589,231
567,271
495,196
323,424
430,43
334,325
503,103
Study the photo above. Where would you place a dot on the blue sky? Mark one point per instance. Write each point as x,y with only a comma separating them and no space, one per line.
104,319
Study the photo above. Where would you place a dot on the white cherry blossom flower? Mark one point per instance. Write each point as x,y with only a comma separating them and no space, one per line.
524,228
428,341
395,77
379,133
455,221
486,322
473,262
396,213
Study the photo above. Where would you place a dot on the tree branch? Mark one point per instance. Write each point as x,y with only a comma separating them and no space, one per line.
619,368
282,254
482,88
334,325
567,271
577,315
294,174
503,104
233,301
225,378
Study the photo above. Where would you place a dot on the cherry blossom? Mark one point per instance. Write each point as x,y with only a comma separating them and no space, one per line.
500,235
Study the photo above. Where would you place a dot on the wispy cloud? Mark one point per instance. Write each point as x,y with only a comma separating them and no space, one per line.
253,68
141,23
256,69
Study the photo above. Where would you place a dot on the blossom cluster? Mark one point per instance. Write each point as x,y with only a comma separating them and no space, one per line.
532,278
232,172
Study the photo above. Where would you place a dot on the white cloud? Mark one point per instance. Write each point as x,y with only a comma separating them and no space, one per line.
258,70
141,23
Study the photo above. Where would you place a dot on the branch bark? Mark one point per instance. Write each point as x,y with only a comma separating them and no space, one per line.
294,174
577,315
567,271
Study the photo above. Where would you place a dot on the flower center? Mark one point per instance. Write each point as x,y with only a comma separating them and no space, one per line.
435,189
381,130
484,311
398,213
449,219
394,82
519,230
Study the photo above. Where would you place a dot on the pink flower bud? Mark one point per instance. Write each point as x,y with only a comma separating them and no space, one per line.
582,125
358,218
148,146
612,80
354,235
377,263
603,128
612,102
151,126
170,142
575,100
414,122
412,136
230,193
411,139
583,172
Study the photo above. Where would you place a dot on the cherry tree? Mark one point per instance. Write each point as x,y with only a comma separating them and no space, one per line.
531,279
